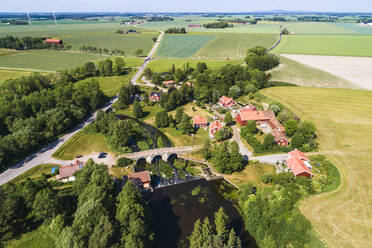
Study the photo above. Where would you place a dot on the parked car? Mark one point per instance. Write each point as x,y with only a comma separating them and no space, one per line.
79,156
102,155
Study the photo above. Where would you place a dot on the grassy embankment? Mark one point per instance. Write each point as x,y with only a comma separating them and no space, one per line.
343,119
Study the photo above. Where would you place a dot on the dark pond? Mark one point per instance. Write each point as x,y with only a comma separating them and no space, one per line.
176,208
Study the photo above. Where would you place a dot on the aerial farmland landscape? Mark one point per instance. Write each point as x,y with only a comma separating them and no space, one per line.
199,124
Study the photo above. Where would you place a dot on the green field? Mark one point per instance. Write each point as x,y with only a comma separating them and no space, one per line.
343,117
355,27
35,172
127,42
181,45
235,46
293,72
316,28
327,45
163,65
9,74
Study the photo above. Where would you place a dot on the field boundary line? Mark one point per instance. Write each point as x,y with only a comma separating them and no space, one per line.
24,69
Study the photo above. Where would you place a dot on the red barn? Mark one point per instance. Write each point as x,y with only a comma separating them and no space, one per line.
280,138
257,116
194,26
199,121
226,102
53,41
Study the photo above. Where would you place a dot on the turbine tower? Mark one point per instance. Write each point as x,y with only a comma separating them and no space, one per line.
29,19
55,19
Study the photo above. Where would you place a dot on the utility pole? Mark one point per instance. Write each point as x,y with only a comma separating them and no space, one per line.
29,19
55,19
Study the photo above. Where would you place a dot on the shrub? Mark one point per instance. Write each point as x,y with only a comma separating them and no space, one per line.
121,162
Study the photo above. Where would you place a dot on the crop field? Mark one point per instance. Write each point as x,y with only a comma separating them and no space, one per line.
47,59
127,42
163,65
343,117
316,28
327,45
294,72
356,27
235,45
181,46
9,74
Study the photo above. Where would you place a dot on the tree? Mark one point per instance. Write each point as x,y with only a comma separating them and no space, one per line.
139,52
102,234
179,114
220,220
206,150
196,238
45,205
106,68
249,129
161,119
154,39
228,118
185,124
223,133
234,92
258,58
90,69
119,66
269,141
137,110
285,31
148,73
291,127
120,134
234,241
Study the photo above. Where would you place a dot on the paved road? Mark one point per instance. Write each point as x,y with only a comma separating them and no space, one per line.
45,154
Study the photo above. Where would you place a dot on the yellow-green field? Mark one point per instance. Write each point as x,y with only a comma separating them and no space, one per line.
9,74
294,72
343,117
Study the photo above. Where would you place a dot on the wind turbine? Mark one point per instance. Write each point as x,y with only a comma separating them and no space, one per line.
29,19
55,19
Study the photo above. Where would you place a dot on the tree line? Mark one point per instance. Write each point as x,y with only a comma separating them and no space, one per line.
92,49
91,213
175,31
222,24
27,43
35,109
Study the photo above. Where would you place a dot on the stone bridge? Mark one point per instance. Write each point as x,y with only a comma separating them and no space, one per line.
161,153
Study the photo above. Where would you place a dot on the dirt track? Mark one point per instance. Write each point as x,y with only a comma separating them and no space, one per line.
357,70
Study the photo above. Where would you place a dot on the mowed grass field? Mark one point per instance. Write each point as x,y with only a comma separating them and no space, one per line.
163,65
316,28
127,42
351,45
181,45
344,119
9,74
294,72
235,46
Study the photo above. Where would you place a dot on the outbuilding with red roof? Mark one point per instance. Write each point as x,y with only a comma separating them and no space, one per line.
53,41
199,121
141,179
214,127
226,102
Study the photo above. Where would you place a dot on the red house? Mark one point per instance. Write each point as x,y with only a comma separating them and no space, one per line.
299,164
53,41
194,26
155,96
200,121
257,116
66,173
214,127
280,138
168,83
226,102
141,179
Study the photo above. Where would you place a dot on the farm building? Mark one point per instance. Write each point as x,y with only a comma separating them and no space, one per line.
280,138
199,121
66,173
226,102
194,26
298,164
214,127
168,83
257,116
53,41
155,96
141,179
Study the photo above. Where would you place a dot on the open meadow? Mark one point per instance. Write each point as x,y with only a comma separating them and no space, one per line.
293,71
317,28
10,74
351,45
343,117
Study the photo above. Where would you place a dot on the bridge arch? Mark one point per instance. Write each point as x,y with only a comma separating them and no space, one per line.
169,157
154,158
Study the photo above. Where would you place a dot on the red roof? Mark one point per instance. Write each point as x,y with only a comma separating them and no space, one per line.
279,135
167,83
53,41
275,124
215,125
140,177
298,154
68,171
256,115
199,120
297,166
224,100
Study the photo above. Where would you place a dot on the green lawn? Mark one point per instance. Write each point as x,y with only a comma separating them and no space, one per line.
316,28
127,42
293,72
163,65
9,74
355,27
111,85
181,45
327,45
38,238
343,119
235,46
35,172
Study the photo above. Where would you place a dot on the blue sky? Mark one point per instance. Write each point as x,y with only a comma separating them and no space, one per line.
185,5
